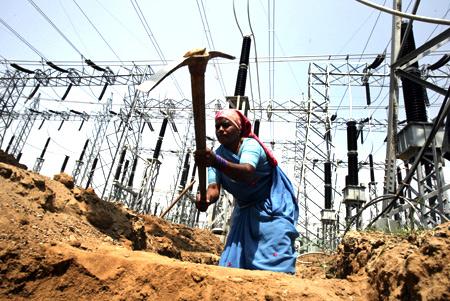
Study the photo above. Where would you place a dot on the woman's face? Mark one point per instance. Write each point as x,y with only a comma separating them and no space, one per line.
226,132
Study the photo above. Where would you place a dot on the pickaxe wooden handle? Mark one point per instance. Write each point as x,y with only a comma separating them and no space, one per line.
196,61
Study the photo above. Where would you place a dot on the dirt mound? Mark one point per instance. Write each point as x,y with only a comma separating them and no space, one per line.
9,159
60,242
405,266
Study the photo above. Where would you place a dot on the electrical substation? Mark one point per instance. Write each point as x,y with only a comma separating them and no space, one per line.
365,144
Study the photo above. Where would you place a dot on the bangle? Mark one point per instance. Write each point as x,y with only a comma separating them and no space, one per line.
220,163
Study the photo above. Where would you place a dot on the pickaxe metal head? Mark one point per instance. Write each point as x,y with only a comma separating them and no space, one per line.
195,59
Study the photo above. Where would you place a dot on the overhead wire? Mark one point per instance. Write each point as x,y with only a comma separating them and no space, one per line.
281,59
362,54
92,94
210,41
249,69
437,25
405,15
153,40
236,20
22,39
256,57
371,33
130,32
271,40
99,33
55,27
73,26
270,29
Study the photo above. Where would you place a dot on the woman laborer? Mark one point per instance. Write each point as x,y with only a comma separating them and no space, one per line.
263,222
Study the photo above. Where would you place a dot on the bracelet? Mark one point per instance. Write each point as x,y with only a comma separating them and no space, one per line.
220,163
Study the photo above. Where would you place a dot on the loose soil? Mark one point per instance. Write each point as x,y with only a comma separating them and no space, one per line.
60,242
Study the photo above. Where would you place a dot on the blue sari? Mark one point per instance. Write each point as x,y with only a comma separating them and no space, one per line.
263,222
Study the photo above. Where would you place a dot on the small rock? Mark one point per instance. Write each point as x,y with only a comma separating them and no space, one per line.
65,179
75,243
24,221
197,277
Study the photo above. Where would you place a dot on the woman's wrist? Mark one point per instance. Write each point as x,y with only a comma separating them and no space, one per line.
220,163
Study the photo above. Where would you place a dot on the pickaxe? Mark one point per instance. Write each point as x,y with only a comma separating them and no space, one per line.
196,60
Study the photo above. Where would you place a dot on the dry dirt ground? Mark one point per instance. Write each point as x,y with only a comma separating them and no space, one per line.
60,242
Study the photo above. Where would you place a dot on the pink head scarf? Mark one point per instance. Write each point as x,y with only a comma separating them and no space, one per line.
243,124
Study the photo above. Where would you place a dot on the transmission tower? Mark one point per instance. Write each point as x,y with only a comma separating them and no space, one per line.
422,195
92,146
12,84
24,128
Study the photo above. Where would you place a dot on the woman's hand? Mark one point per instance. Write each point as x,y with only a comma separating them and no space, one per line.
202,206
212,195
205,157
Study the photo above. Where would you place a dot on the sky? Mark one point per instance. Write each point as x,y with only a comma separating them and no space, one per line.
287,37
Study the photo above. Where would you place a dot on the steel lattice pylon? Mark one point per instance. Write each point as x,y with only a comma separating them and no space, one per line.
24,128
83,166
313,145
12,84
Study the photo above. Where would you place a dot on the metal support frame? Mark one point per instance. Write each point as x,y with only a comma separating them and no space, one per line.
309,148
143,200
11,87
83,167
427,187
24,127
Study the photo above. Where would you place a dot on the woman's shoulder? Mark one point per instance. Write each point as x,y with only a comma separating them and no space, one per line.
251,142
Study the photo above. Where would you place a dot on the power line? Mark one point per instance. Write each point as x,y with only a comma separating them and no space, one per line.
99,33
443,17
256,55
74,27
22,39
405,15
152,38
371,32
210,41
280,59
55,27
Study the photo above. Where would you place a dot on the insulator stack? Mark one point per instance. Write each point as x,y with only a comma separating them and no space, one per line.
256,127
9,144
160,139
103,91
327,185
415,95
91,173
399,177
372,171
119,167
34,91
84,150
45,148
368,100
184,174
352,154
125,168
133,170
243,67
63,167
67,92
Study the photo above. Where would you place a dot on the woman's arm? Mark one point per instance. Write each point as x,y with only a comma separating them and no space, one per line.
236,171
212,195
